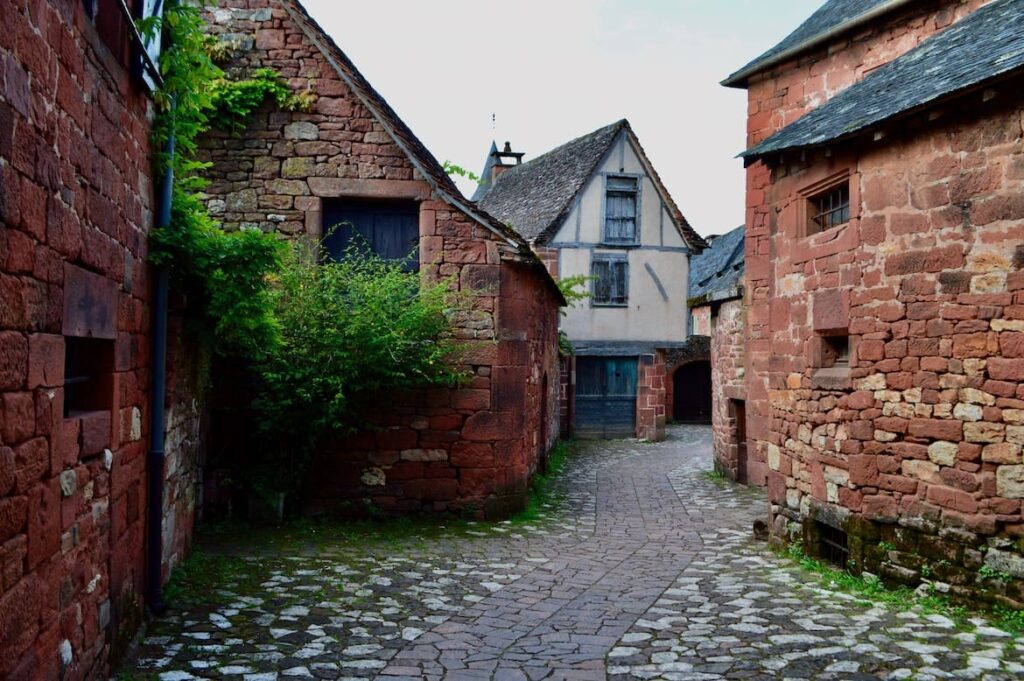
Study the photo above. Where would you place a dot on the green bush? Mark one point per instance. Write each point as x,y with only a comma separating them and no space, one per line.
350,335
316,342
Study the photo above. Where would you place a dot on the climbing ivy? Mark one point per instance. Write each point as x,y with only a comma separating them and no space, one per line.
316,339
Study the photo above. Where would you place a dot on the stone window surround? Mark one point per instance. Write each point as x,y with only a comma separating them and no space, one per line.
790,192
341,188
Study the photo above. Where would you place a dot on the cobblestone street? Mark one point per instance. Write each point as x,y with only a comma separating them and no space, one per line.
646,568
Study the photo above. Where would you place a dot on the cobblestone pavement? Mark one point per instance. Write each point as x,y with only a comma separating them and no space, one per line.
645,569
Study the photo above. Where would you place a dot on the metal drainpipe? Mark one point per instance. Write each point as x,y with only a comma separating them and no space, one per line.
158,395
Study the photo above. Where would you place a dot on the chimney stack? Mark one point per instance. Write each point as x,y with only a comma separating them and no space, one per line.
500,157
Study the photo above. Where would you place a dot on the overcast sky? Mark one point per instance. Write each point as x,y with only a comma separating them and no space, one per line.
552,70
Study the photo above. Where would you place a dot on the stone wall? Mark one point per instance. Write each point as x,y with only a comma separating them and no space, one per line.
776,98
473,448
728,395
915,450
650,397
76,207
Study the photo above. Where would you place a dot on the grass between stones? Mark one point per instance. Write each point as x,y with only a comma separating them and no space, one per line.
543,493
871,590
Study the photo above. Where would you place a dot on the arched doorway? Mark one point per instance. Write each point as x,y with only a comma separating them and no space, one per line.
691,388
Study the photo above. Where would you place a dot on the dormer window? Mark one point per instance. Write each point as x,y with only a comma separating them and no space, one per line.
622,194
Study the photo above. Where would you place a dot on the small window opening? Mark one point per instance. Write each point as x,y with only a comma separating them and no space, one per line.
829,209
611,281
835,352
832,545
88,375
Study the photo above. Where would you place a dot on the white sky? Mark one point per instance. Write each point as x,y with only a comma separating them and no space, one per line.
552,70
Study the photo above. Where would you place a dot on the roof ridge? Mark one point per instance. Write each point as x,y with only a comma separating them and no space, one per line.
622,122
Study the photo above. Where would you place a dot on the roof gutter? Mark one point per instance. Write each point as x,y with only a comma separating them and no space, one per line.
739,79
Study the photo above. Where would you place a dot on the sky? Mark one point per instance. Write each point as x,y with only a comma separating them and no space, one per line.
539,73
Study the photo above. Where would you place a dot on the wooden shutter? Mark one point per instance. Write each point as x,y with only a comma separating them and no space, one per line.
389,229
601,270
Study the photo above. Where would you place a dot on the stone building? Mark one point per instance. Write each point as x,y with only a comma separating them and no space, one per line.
885,335
717,312
351,161
596,207
76,203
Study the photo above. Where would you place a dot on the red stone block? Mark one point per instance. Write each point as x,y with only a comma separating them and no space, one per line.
45,361
19,417
397,439
936,429
43,522
952,498
472,455
1002,369
13,358
96,429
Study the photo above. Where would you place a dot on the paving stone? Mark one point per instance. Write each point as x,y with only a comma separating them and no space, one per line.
644,568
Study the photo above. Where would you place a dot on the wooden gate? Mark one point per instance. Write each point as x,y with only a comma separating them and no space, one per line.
606,397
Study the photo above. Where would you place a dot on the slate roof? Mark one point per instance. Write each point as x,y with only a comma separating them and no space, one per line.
831,16
980,48
536,197
485,175
718,270
419,156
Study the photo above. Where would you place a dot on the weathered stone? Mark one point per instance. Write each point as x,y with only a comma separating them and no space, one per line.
301,130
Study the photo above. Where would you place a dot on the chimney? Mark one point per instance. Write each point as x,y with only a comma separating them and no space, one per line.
500,164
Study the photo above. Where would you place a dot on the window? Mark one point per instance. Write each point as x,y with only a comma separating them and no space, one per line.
88,371
611,280
112,27
835,352
833,546
115,30
620,209
830,208
391,229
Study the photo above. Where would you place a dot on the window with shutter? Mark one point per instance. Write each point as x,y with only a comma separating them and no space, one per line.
391,229
611,280
620,209
153,43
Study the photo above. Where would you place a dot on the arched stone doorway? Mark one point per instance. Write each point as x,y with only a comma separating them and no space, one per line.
691,392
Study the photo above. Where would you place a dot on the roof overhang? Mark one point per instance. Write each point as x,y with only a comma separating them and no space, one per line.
740,78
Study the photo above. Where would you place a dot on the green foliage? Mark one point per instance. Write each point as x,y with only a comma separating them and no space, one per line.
197,580
714,475
574,289
453,169
987,572
234,101
349,332
318,342
543,493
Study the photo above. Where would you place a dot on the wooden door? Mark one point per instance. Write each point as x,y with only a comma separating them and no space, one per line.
606,397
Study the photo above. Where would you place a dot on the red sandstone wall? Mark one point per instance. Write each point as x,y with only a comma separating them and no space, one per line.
650,397
728,382
930,285
471,448
776,98
75,204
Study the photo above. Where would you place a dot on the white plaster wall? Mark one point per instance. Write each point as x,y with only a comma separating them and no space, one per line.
648,317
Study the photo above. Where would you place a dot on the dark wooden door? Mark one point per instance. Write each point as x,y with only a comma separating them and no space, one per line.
691,393
391,229
606,397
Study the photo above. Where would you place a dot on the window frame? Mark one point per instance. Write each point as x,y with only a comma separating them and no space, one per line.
637,193
370,205
811,194
610,259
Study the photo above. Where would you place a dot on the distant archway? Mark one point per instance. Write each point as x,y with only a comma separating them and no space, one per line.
691,388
